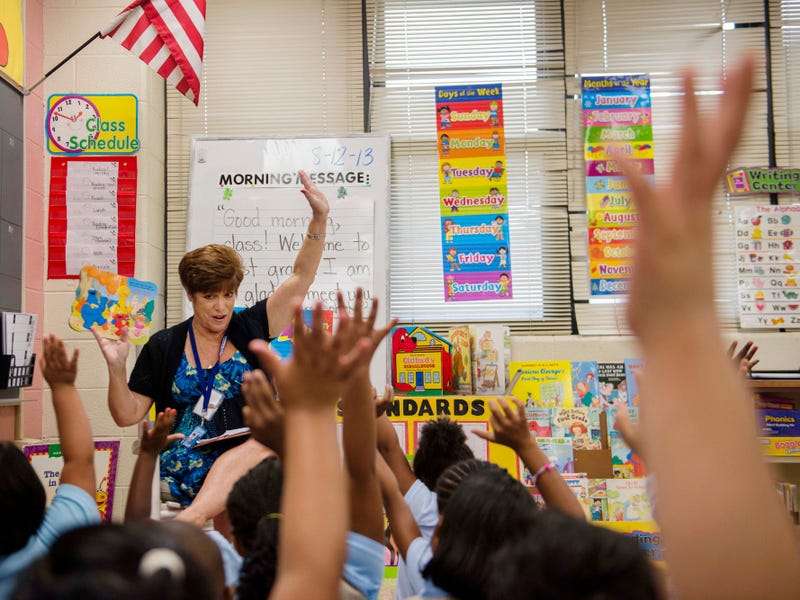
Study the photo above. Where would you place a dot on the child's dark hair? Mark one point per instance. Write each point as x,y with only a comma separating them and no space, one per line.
442,443
22,499
254,506
560,558
487,508
132,561
450,479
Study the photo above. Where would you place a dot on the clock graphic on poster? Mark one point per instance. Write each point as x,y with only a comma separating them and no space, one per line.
68,118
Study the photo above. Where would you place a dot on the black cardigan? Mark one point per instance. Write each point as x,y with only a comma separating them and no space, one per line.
161,356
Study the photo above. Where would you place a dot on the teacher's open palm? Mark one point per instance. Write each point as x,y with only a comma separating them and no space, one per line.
316,199
114,351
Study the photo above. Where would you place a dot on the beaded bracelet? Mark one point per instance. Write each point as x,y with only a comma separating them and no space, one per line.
544,469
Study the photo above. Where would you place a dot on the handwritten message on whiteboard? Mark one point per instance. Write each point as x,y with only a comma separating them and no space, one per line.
245,193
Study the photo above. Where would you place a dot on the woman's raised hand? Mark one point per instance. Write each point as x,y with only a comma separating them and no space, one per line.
316,199
114,351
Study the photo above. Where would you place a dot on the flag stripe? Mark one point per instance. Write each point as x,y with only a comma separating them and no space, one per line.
168,36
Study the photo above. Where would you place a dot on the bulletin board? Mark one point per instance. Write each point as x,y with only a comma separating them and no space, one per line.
245,193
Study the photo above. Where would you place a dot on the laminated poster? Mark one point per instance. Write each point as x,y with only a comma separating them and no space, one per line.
473,193
115,304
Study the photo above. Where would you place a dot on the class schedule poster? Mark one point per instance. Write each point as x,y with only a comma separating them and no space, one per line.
617,119
473,193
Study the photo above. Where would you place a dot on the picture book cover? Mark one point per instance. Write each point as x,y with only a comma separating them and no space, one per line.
462,359
579,485
598,500
621,454
778,423
585,384
612,383
282,345
545,383
115,304
539,421
559,451
47,461
489,358
628,500
632,366
421,362
575,423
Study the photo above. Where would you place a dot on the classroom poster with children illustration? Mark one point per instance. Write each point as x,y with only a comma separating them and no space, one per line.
476,251
47,461
617,120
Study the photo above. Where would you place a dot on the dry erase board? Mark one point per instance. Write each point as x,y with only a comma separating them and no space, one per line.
245,193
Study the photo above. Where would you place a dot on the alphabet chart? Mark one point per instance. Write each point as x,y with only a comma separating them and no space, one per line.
767,264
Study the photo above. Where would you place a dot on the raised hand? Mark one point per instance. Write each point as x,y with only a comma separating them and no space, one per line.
745,359
156,437
263,413
316,199
673,246
315,375
354,328
114,351
57,367
509,425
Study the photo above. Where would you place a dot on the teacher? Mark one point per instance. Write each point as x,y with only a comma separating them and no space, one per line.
197,366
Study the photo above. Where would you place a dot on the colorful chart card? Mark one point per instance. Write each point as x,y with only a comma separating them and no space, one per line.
767,264
473,198
115,304
617,120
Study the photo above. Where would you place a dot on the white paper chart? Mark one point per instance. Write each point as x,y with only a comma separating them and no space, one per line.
245,193
768,266
92,227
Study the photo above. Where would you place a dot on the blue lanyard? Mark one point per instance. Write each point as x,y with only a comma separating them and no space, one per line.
207,379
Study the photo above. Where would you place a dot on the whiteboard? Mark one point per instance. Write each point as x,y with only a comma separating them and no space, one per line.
245,193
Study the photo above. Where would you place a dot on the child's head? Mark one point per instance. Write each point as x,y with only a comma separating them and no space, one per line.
254,506
141,560
444,111
494,191
499,220
486,508
22,499
499,164
445,167
504,278
502,251
442,443
556,556
202,550
445,139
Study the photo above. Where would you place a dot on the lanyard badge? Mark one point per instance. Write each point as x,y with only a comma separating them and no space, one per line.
210,399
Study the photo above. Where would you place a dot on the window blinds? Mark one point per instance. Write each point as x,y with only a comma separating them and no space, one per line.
271,68
415,45
659,38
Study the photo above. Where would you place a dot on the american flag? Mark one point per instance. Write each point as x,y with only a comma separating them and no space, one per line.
168,36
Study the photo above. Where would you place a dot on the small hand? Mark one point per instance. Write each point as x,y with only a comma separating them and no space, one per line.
57,368
743,360
263,413
314,377
509,425
114,351
156,437
354,328
316,199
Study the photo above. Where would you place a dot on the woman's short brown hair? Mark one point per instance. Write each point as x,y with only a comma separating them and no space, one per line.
211,268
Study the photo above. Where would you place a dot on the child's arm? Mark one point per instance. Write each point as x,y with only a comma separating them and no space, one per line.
366,509
154,439
314,504
712,553
74,430
393,455
401,521
510,428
